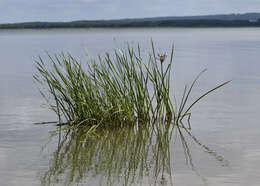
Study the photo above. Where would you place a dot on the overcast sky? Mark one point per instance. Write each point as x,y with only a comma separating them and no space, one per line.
67,10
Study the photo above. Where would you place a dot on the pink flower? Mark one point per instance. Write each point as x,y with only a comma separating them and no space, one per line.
162,57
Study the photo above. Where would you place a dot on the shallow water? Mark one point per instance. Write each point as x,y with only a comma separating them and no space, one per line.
226,121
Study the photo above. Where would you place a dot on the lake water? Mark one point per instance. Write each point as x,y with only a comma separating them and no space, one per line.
226,123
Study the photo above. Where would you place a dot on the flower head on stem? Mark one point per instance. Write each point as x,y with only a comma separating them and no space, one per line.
162,57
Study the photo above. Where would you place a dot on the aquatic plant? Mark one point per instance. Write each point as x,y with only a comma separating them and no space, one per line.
119,89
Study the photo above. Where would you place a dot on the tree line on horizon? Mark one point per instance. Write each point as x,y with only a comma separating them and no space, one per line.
135,24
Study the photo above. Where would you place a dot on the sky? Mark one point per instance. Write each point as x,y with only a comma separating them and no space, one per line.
67,10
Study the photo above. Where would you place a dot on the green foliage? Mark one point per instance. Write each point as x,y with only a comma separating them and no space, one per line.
136,23
124,89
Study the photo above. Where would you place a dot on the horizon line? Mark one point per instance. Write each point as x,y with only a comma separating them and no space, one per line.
134,18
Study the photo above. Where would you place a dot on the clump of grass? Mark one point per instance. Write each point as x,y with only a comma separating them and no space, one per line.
113,91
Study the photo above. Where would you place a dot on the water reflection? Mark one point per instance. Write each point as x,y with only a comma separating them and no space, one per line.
139,155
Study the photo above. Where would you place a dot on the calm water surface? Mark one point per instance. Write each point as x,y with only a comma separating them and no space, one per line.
226,123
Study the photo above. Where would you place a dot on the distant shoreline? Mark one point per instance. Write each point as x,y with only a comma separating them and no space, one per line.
201,23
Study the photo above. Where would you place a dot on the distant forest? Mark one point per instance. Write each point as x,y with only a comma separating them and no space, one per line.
230,20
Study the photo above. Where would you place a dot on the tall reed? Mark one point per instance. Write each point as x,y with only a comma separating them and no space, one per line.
115,90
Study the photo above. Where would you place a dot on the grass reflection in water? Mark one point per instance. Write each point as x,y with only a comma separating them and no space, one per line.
133,155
